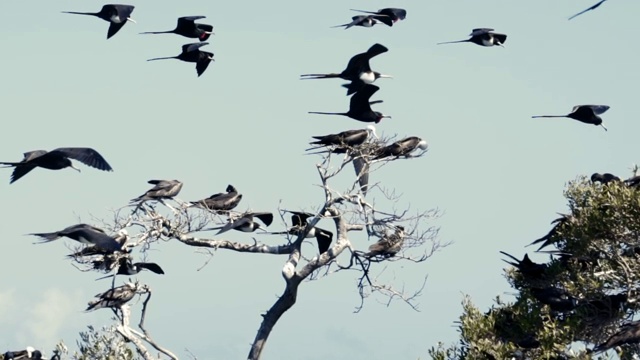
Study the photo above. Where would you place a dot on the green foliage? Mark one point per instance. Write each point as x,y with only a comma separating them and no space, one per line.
598,264
104,344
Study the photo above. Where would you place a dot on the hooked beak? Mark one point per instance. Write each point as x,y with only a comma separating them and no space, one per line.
209,33
74,168
386,116
211,58
130,19
604,127
383,76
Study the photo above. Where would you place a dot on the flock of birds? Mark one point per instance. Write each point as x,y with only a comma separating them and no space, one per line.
112,253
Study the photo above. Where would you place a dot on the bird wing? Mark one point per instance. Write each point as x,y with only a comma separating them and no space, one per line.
99,239
232,225
360,62
598,109
591,8
398,13
20,171
193,46
30,155
324,238
88,156
114,28
385,19
189,19
203,62
124,11
153,267
265,217
360,101
361,167
480,31
500,37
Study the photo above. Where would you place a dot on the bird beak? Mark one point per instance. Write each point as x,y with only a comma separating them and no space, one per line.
383,76
499,44
604,127
209,33
74,168
386,116
211,58
130,19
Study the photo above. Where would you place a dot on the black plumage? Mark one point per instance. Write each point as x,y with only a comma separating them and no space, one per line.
402,147
221,201
192,53
360,106
483,37
163,189
588,114
187,27
116,14
387,16
85,234
593,7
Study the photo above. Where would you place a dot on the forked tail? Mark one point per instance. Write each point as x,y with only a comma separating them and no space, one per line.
46,237
157,32
326,113
452,42
78,13
548,116
162,58
319,76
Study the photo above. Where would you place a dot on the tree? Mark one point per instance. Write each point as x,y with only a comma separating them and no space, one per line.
398,235
585,294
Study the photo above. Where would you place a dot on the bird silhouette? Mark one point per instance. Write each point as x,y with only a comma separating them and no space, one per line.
220,202
402,147
29,353
360,20
388,246
117,15
360,106
163,189
344,140
298,226
526,267
192,53
587,114
188,28
604,178
114,298
552,236
245,222
85,234
482,37
126,267
56,160
387,16
557,299
589,9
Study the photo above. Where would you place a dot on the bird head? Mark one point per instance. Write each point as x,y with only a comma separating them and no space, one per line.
372,130
382,76
380,116
423,145
130,19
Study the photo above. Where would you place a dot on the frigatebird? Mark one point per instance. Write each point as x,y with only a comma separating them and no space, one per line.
299,224
121,238
628,333
388,246
188,28
402,147
56,160
220,201
358,70
360,20
114,298
126,267
85,234
246,222
116,14
587,114
192,53
550,237
360,106
343,141
526,267
482,37
388,16
604,178
29,353
163,189
588,9
557,299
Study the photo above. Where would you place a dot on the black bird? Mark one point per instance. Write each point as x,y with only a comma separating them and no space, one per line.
56,160
483,37
388,16
345,140
557,299
116,14
358,70
246,222
604,178
633,181
85,234
360,20
125,267
591,8
163,189
528,268
220,201
388,245
299,224
587,114
550,237
121,238
114,298
402,147
360,106
192,53
27,354
627,334
188,28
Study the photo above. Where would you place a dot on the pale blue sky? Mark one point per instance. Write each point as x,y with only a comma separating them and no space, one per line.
497,174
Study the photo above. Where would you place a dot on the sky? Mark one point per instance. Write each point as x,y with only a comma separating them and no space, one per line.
496,174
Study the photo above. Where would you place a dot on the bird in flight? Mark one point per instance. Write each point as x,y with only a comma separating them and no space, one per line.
589,9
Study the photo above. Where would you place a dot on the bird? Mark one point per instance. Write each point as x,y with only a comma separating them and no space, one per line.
85,234
482,37
389,245
121,238
402,147
557,299
628,333
358,70
550,237
114,298
587,114
163,189
299,224
604,178
126,267
588,9
246,222
526,267
344,140
220,201
360,20
29,353
116,14
188,28
388,16
192,53
56,160
360,106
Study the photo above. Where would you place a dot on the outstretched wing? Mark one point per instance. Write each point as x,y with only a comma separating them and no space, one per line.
189,19
203,62
114,28
193,46
480,31
88,156
153,267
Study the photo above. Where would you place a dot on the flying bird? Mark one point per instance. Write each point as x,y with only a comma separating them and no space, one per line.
628,333
220,201
360,106
588,9
163,189
482,37
116,14
604,178
388,16
27,354
85,234
114,298
56,160
360,20
299,224
188,28
343,141
358,70
388,246
126,267
192,53
402,147
246,222
587,114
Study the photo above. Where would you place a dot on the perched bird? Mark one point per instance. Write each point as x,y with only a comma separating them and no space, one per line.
604,178
482,37
85,234
126,267
588,9
27,354
116,14
163,189
360,106
246,222
114,298
188,28
526,267
360,20
633,181
587,114
220,201
557,299
343,141
388,246
628,333
388,16
358,70
56,160
402,147
192,53
299,224
551,236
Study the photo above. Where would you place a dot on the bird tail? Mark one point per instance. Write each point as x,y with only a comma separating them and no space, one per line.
352,88
104,277
9,164
78,13
511,256
319,76
346,26
162,58
325,113
363,11
47,237
157,32
452,42
547,116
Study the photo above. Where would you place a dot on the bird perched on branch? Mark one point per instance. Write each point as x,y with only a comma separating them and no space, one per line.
388,245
